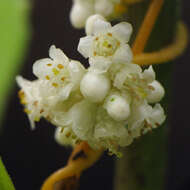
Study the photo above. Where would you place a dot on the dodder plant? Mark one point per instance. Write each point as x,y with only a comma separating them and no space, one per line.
114,101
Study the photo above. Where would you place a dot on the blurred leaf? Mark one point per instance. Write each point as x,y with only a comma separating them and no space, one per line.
5,181
14,33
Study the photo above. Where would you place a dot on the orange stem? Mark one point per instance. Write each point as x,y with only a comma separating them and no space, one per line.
81,158
147,26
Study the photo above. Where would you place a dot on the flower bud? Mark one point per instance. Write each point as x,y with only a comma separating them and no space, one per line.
118,108
157,93
95,86
79,14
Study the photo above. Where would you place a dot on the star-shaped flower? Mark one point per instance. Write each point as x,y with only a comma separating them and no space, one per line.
106,44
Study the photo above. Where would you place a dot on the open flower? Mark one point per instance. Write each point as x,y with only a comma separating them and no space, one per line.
82,9
58,77
106,44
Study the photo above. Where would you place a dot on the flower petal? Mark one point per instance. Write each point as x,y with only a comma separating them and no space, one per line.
123,54
99,64
77,71
42,68
149,74
157,116
122,31
101,26
58,55
89,27
84,46
83,119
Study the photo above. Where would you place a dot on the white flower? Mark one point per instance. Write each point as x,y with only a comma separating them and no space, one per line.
141,85
58,78
107,44
60,72
82,9
144,118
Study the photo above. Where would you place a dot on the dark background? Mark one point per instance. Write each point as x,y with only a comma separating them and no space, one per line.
30,156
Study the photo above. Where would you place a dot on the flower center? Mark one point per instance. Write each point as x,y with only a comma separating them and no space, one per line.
105,45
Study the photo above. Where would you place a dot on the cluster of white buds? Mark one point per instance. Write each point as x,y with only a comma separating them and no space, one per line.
82,9
107,105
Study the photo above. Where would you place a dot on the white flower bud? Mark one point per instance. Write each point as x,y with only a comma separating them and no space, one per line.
149,74
157,93
90,23
80,13
118,108
104,7
95,86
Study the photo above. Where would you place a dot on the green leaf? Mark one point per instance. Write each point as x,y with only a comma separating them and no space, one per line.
14,34
5,181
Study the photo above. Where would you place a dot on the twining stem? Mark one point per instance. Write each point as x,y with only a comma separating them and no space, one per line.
81,158
167,53
131,1
147,26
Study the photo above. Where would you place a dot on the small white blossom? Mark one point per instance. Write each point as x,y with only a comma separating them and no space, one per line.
107,44
82,9
58,77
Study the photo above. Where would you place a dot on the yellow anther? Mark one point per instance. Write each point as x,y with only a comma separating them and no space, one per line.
54,84
47,77
55,71
36,119
27,111
63,78
60,66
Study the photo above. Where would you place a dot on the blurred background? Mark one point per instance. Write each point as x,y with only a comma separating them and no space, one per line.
30,156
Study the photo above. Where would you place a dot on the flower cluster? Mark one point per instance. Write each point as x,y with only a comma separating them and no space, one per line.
82,9
107,105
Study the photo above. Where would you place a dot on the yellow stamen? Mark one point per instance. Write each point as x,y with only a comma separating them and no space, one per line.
27,111
63,78
54,84
60,66
147,26
55,71
47,77
168,53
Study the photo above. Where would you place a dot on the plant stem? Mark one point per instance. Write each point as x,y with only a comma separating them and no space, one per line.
143,166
